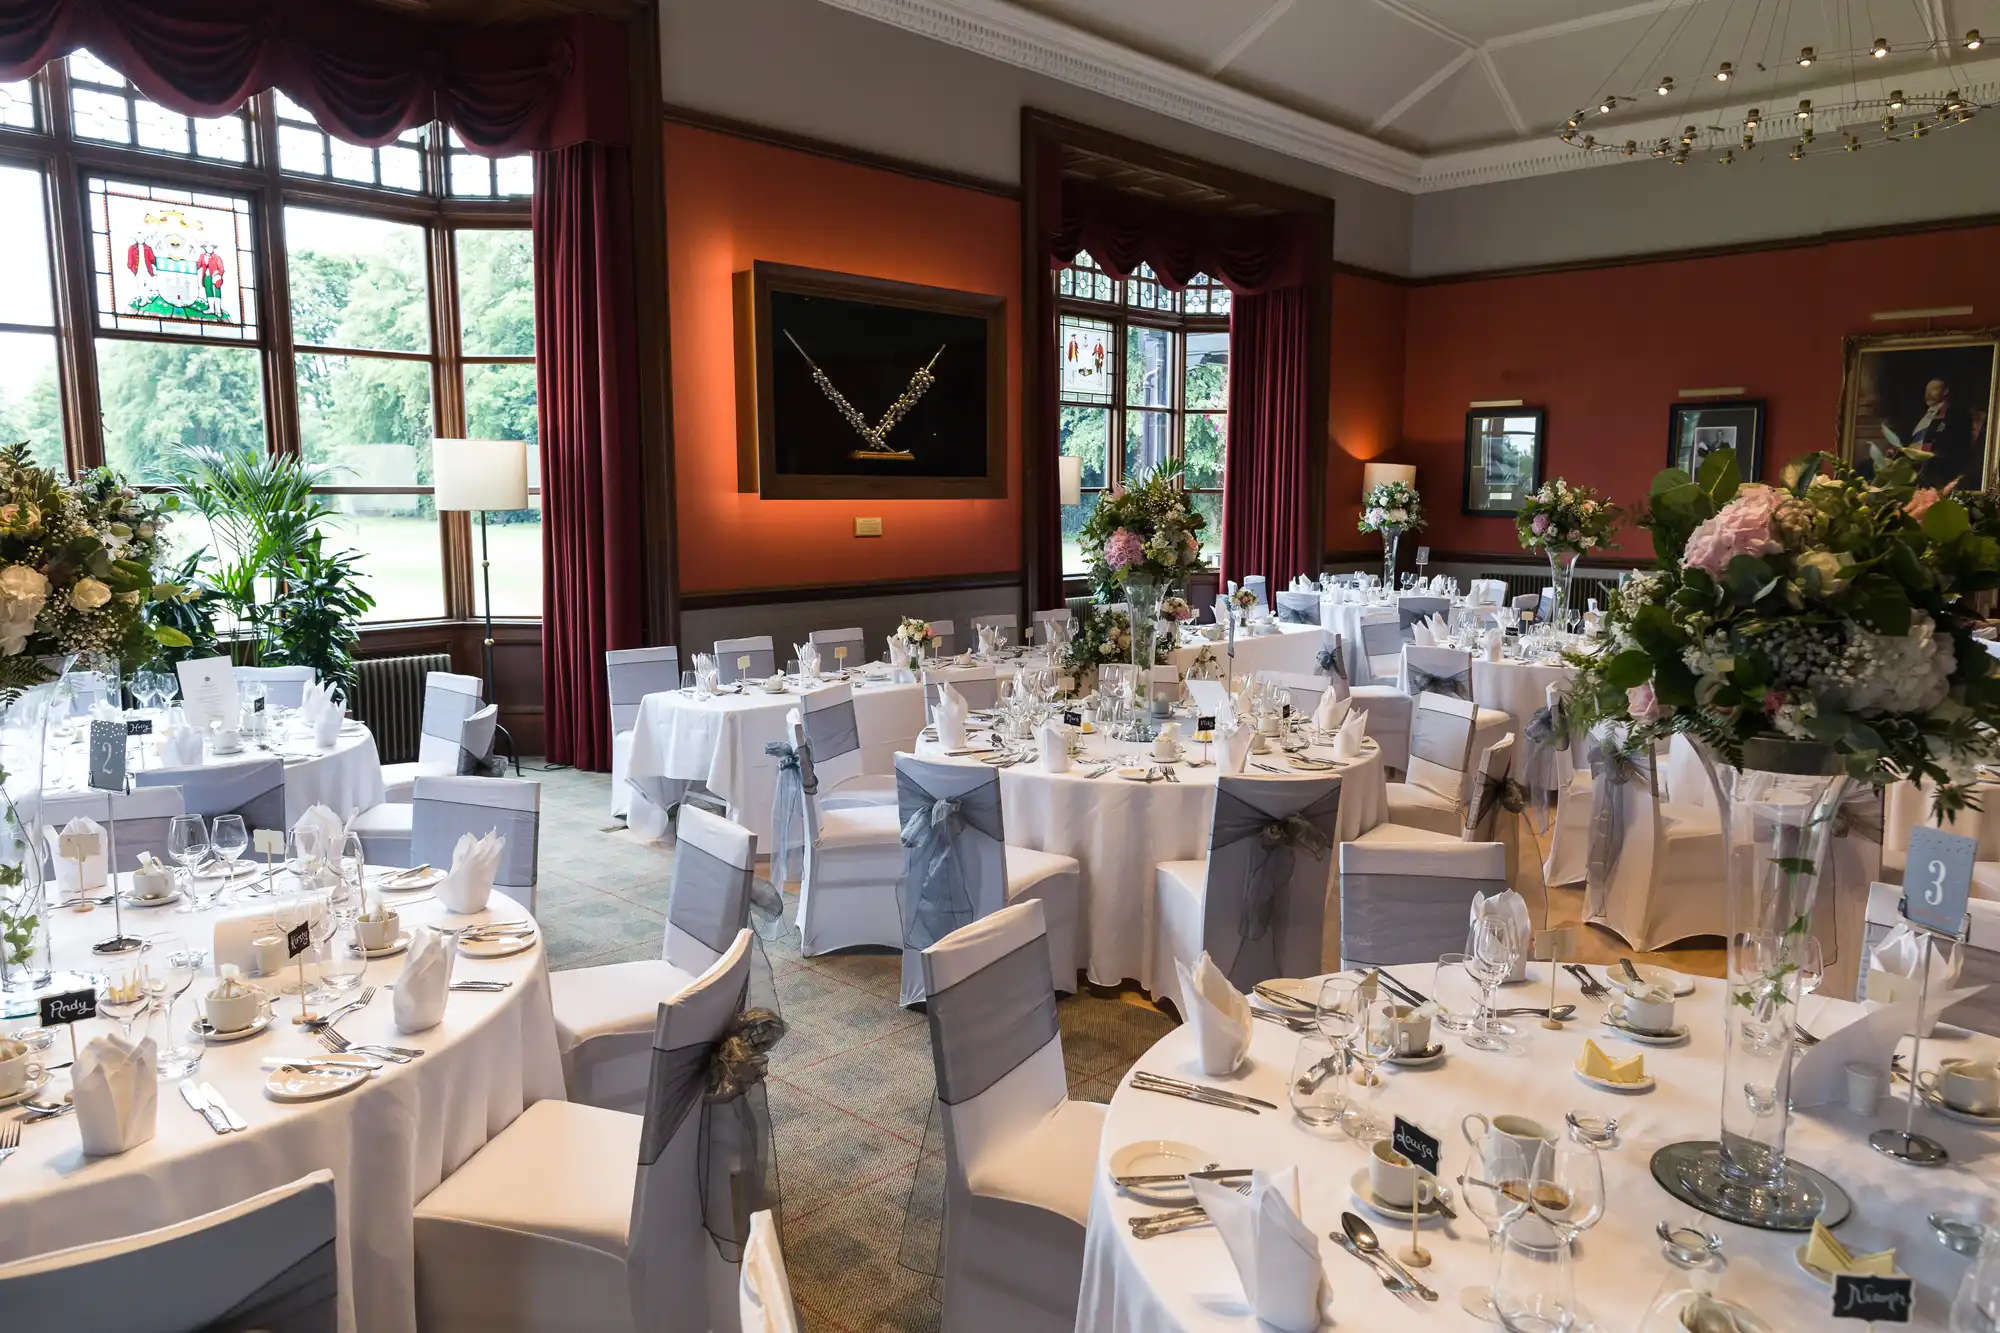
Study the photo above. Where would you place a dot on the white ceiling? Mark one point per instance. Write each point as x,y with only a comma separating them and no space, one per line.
1433,94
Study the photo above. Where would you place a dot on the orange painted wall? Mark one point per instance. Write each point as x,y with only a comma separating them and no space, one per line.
1364,396
1606,350
731,202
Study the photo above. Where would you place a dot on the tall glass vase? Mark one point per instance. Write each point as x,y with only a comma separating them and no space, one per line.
24,916
1777,829
1390,537
1143,596
1562,566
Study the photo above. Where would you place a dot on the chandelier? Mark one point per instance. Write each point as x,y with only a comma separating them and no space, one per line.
1778,78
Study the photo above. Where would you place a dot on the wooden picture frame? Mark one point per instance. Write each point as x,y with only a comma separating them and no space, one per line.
822,358
1889,393
1505,449
1698,427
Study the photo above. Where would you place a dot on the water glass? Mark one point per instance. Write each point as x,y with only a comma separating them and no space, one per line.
1456,992
343,962
169,973
229,837
188,844
1976,1309
688,682
1317,1088
1532,1283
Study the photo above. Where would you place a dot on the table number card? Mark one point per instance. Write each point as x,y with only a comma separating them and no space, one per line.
1551,945
107,756
743,662
1878,1300
268,841
1423,555
840,652
1204,723
1938,880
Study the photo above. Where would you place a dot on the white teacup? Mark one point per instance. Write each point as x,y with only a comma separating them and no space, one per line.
1410,1030
227,740
378,934
232,1013
1648,1015
17,1071
1394,1179
1965,1084
1528,1135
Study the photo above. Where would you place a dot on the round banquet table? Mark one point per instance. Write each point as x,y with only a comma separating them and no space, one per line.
1292,649
345,778
1520,689
1119,830
388,1142
1185,1281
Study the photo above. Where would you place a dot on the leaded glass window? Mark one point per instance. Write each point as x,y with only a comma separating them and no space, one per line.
172,261
106,107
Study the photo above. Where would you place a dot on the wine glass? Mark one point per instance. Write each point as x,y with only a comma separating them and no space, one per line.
188,844
123,995
167,978
1811,960
229,836
1372,1041
1494,1185
1566,1191
1491,960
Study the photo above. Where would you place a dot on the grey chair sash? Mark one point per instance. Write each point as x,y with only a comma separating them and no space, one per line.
436,826
1380,639
1391,919
1547,736
935,898
1330,663
1457,684
305,1298
1440,738
1613,772
831,731
1495,790
1298,608
736,1163
788,810
1260,918
711,898
986,1026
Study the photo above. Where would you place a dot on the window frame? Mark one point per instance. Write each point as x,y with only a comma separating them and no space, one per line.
1124,313
65,162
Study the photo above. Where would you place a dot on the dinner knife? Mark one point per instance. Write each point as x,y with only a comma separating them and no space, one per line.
192,1096
236,1121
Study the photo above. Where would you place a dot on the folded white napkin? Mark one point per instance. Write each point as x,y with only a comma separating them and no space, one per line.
474,862
1233,736
116,1090
1276,1256
426,981
1440,628
808,655
318,832
1052,739
1420,634
1218,1013
180,742
1593,622
1347,741
1820,1076
326,726
1330,711
1496,643
951,710
1893,972
67,878
1513,906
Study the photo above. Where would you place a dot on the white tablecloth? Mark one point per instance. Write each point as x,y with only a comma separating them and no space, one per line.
1292,648
1520,689
346,778
720,741
1119,830
1185,1281
388,1142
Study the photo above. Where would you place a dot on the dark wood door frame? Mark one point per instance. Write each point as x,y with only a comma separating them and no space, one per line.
1044,133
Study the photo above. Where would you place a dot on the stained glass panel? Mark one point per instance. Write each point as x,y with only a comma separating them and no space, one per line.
1084,351
172,261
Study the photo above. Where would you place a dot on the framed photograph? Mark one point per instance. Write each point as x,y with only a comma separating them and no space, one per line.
1935,390
1696,430
1503,458
853,387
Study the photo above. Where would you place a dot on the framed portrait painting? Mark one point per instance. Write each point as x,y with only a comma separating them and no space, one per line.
1503,458
1696,430
1933,390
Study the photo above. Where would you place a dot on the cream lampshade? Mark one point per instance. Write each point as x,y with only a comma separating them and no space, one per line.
479,474
1381,474
1069,480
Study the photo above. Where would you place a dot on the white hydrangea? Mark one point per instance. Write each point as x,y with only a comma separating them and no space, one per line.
1909,673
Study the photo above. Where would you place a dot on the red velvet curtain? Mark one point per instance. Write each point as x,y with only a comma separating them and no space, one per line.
587,376
365,73
1264,506
1121,231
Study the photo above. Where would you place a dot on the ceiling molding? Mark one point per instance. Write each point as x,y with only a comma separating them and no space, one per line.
1244,39
1422,90
1514,116
1586,22
1030,41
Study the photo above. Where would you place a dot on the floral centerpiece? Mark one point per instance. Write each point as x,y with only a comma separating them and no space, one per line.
1805,637
1140,544
917,633
1177,610
1562,522
1391,508
1100,636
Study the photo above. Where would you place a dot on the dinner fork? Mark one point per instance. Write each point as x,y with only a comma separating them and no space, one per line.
340,1045
1178,1219
328,1019
10,1139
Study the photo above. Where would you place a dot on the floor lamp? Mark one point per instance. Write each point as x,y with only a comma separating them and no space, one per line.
483,476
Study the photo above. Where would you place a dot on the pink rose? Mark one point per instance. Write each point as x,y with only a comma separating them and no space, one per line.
1124,548
1920,502
1541,524
1742,527
1641,703
1773,701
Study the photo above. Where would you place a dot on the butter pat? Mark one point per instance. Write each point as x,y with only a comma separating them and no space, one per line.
1825,1252
1596,1064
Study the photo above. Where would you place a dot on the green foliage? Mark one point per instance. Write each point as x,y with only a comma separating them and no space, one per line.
317,609
1150,530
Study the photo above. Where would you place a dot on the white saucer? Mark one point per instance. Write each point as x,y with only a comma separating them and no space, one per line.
200,1028
430,879
134,900
392,948
1819,1275
1305,992
311,1085
1180,753
501,948
1157,1157
238,870
35,1085
1950,1112
352,728
1614,1020
1364,1194
1681,983
1643,1085
1417,1059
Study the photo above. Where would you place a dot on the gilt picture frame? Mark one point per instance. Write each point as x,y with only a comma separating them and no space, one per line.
1938,390
856,387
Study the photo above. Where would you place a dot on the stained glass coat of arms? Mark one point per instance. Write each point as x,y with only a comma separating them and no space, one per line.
172,261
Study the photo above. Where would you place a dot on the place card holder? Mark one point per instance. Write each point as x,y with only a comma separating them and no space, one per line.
1874,1299
1425,1154
1937,887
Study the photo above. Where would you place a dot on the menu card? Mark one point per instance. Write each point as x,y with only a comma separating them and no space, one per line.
208,691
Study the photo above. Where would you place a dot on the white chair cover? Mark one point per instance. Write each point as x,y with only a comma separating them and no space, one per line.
978,686
1486,592
1304,690
1528,603
630,675
284,686
839,649
134,822
255,790
444,809
1018,1154
1258,586
1649,878
1011,624
744,659
266,1263
1441,745
853,862
1437,671
1041,618
765,1298
1412,608
1381,647
1408,903
1298,608
944,635
449,699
